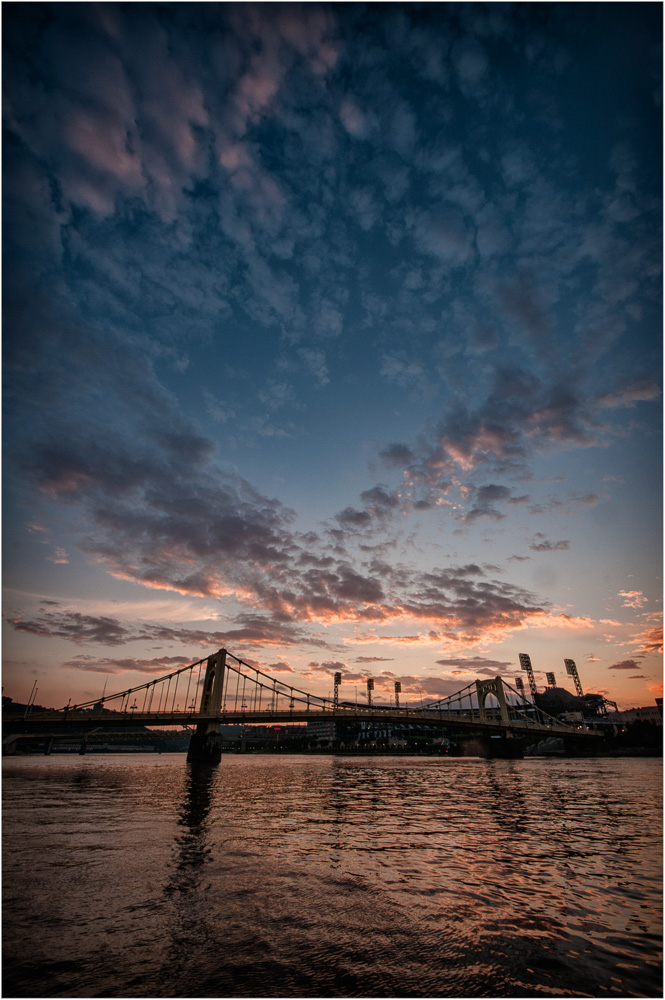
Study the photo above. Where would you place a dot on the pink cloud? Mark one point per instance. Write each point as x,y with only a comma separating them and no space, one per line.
633,598
102,141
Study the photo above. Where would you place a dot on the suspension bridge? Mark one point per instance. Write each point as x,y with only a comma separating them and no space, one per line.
221,688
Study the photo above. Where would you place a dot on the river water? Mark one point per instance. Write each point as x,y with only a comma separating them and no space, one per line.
298,876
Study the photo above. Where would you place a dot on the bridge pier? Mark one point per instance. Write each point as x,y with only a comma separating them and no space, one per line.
490,748
205,744
506,747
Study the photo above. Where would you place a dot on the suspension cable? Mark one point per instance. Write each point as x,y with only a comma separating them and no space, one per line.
520,709
140,687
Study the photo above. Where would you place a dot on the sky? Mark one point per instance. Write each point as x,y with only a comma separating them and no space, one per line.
332,336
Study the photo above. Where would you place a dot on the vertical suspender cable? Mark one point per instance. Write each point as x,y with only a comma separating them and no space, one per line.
189,681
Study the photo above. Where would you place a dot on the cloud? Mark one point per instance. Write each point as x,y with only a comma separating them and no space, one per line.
373,659
459,603
476,664
624,665
520,416
280,668
251,630
648,640
471,64
59,557
380,504
641,390
328,668
352,118
633,598
397,454
484,499
76,627
547,546
462,608
351,518
520,301
446,234
159,665
586,499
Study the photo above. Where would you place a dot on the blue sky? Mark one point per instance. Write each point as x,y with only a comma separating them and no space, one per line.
332,335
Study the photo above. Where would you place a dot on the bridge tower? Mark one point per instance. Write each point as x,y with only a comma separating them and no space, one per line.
206,741
495,687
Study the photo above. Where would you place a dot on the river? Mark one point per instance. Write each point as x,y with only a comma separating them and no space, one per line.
331,876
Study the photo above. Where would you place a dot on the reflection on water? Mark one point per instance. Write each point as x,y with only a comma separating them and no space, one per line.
331,876
186,886
190,845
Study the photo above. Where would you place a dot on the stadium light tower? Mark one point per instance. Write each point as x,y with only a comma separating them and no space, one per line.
525,664
571,669
370,688
551,679
398,689
338,681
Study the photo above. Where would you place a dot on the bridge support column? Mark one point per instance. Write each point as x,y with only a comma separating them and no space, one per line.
501,747
205,744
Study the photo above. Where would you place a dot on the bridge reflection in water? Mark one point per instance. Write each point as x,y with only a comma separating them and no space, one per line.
232,691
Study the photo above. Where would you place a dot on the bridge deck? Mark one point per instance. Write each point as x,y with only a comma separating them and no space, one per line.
404,716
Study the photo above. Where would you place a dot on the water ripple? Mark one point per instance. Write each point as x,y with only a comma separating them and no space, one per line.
298,876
